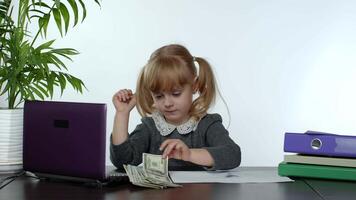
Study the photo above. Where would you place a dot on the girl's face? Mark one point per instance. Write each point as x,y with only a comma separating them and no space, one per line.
175,104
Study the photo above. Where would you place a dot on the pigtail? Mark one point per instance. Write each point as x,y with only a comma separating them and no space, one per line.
206,86
144,99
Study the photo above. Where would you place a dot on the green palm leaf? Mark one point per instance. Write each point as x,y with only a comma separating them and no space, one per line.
28,70
74,6
58,20
65,15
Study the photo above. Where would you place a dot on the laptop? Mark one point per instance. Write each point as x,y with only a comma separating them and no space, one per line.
67,140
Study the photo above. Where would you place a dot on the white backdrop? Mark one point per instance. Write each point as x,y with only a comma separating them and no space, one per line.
281,65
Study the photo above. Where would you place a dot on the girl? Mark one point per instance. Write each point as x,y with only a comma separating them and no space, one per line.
173,124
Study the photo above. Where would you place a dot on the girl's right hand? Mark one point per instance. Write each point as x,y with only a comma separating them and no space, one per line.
124,100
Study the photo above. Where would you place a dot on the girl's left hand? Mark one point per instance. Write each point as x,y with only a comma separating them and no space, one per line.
175,148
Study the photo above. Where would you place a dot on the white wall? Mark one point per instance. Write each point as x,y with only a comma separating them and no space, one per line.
282,65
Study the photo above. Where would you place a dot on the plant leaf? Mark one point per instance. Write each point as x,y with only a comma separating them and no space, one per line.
58,62
41,4
50,83
57,2
62,82
97,2
84,9
58,20
45,20
46,45
74,6
29,93
65,15
41,90
26,69
37,11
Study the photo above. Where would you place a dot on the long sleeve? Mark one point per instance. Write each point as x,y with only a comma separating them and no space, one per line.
130,151
225,152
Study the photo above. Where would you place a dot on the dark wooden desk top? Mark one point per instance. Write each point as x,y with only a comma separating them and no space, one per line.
33,189
330,189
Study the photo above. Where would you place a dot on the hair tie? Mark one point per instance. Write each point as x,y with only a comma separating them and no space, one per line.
196,64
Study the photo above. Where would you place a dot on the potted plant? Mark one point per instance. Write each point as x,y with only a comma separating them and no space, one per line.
30,66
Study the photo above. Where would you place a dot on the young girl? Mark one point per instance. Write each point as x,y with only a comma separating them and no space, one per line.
173,124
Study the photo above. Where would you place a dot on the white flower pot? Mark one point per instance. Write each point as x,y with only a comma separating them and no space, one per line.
11,134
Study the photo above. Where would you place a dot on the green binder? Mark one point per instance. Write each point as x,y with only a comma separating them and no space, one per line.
317,171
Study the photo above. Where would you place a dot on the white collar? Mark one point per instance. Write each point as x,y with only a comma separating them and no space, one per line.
166,128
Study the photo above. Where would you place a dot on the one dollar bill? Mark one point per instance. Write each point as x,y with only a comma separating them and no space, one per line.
153,173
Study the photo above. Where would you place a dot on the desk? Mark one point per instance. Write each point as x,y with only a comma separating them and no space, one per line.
302,189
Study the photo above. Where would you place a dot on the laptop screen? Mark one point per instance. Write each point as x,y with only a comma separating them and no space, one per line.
65,138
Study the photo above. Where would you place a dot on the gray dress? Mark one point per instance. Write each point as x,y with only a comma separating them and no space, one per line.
210,134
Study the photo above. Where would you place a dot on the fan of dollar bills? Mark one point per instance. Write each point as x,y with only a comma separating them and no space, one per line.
153,173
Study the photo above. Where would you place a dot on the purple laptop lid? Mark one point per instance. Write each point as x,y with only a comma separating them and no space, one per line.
65,138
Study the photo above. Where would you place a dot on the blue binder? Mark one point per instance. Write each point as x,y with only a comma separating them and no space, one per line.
319,143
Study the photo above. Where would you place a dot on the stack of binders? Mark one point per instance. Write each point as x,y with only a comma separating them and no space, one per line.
319,155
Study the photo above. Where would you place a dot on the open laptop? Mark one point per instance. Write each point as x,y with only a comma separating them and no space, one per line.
67,140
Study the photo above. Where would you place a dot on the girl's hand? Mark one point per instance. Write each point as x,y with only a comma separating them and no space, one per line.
124,100
175,148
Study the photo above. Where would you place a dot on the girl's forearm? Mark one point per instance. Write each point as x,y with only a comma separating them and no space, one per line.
201,157
120,129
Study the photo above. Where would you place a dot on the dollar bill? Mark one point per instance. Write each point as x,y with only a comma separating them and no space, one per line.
155,164
153,173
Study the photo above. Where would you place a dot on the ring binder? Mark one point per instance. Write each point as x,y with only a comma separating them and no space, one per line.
319,143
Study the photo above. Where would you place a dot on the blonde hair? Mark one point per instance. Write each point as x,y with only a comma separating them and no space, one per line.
173,66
